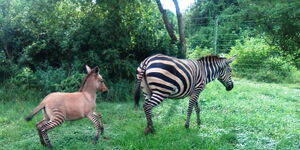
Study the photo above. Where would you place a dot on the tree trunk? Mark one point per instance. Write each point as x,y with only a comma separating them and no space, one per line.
181,30
166,22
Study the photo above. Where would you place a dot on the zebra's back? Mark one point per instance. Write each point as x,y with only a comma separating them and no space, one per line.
169,76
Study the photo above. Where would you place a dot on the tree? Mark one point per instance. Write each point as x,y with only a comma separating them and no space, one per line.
181,30
182,42
168,26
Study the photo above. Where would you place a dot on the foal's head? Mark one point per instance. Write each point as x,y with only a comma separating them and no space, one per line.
93,80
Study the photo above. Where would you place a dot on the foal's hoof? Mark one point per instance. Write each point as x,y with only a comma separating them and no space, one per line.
148,130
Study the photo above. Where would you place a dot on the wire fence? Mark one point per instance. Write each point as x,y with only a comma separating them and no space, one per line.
220,34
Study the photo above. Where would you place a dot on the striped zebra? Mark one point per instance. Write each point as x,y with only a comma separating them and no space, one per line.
162,77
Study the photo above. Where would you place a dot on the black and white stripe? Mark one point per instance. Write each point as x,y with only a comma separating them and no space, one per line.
162,77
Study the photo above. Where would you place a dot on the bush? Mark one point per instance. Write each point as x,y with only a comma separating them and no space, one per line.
259,61
24,78
71,83
119,91
48,78
198,53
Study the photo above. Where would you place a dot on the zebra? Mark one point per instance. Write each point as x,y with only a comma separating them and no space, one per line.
160,77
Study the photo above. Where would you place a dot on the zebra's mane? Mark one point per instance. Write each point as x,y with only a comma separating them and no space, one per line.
211,57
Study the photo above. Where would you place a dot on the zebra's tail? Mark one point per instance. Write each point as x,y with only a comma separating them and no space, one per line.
137,92
35,111
137,89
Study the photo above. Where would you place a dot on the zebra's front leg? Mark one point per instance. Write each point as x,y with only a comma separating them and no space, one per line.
197,109
98,125
193,102
189,112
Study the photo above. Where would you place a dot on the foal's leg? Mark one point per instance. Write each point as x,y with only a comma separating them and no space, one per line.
47,126
154,100
38,126
99,126
192,103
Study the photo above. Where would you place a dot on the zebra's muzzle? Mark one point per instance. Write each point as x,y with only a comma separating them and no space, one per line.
230,87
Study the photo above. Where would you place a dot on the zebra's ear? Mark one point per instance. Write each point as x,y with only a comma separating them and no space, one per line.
230,60
88,69
96,69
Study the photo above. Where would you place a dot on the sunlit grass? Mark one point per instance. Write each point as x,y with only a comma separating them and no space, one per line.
251,116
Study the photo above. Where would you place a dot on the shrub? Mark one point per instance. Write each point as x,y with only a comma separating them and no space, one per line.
48,78
24,78
198,53
71,83
258,60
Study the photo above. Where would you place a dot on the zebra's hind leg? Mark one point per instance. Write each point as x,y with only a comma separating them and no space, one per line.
38,126
154,100
98,124
47,126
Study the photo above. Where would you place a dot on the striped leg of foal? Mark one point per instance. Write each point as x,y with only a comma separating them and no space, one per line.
49,125
99,126
192,103
38,126
154,100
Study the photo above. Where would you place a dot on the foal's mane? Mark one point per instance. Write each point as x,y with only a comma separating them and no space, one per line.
85,79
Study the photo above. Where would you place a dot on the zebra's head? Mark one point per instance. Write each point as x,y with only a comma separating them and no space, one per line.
225,74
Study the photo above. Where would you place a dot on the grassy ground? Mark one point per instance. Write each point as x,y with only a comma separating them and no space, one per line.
251,116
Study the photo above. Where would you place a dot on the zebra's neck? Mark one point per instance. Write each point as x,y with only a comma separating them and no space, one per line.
212,69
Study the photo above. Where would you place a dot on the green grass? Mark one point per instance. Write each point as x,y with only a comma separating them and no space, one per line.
251,116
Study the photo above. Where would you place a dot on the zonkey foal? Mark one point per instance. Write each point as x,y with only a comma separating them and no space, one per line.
58,107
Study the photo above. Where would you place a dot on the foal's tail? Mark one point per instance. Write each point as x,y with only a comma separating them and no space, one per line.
140,74
35,111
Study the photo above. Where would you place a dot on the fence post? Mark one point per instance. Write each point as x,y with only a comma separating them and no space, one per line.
216,34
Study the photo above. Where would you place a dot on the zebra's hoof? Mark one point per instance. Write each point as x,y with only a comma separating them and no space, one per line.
199,123
95,140
148,130
187,126
49,145
102,130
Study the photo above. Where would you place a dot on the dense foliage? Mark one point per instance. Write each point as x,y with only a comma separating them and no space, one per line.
45,44
53,40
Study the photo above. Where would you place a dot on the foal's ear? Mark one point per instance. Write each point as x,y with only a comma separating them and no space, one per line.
88,69
96,69
230,60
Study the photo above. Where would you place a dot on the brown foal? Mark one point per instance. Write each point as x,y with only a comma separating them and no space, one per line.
58,107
